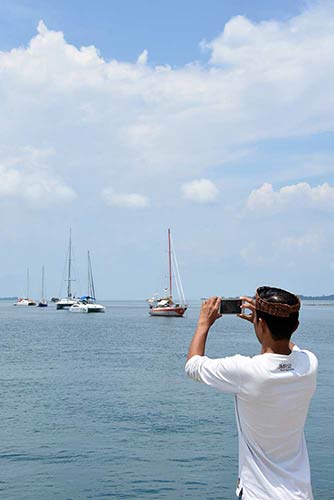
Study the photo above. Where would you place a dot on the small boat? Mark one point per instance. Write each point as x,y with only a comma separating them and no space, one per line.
43,302
87,303
26,301
165,306
67,302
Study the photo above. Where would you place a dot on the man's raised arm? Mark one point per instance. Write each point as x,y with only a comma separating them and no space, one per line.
208,315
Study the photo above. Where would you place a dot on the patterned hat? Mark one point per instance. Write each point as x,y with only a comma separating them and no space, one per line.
270,306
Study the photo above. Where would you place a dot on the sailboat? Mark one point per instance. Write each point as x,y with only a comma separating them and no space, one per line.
165,306
68,301
43,302
26,301
87,303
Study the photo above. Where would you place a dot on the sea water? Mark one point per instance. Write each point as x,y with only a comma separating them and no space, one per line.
98,406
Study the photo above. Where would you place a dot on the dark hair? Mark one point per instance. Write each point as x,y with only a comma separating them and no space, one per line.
280,328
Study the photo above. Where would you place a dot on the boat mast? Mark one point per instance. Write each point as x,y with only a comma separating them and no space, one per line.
43,282
170,265
69,291
88,269
28,284
91,286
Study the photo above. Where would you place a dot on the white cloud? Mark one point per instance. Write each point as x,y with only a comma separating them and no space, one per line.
27,177
301,195
125,200
200,191
277,43
143,57
310,241
130,119
284,250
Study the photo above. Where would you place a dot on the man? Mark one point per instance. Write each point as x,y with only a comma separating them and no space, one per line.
272,395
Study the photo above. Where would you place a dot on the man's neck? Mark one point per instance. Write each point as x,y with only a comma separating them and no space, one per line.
277,347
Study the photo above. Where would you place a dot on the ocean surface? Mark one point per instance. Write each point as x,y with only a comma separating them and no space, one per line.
98,406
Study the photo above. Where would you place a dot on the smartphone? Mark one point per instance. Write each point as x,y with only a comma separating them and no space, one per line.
230,306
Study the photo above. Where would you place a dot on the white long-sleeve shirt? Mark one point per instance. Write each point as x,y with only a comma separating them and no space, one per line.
272,396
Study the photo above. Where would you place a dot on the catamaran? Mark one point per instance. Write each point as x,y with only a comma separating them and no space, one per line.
68,301
165,306
87,303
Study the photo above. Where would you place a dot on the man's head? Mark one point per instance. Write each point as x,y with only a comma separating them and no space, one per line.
279,309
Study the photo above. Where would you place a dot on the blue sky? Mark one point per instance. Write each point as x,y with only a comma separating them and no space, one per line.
121,119
120,29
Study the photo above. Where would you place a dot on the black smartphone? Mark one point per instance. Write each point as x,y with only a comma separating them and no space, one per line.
230,306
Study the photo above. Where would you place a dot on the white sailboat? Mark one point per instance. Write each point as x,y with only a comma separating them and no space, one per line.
165,306
26,301
87,303
43,302
67,302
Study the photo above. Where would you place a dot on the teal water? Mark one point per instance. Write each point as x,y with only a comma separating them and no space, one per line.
98,406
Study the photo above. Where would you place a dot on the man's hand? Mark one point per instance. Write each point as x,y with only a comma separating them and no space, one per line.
248,303
209,312
208,315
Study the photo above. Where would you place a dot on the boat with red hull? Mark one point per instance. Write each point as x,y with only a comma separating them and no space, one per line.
165,306
167,311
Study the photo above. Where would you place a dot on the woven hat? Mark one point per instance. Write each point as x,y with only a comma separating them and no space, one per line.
272,304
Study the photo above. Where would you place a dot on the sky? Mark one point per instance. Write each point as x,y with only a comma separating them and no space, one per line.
120,119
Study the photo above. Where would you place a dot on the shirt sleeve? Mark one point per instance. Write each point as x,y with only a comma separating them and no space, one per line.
221,373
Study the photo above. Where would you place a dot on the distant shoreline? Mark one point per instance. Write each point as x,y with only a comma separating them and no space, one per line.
316,297
302,297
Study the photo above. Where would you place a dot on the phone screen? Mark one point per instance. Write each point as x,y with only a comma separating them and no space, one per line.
230,306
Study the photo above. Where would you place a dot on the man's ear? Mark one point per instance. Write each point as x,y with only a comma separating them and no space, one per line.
263,326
